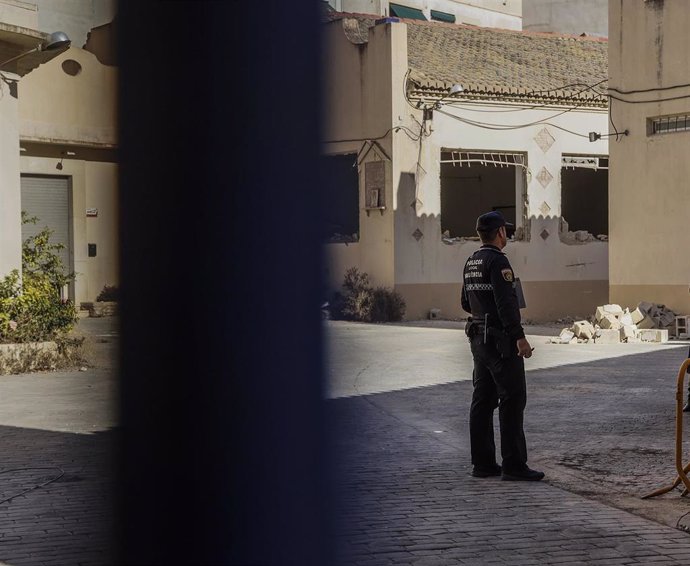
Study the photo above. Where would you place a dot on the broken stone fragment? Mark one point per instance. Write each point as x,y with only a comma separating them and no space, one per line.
610,322
583,329
613,309
646,322
667,318
645,307
654,335
566,336
626,319
627,332
607,336
637,315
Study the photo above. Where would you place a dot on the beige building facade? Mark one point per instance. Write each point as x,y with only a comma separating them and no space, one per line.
422,177
59,144
649,55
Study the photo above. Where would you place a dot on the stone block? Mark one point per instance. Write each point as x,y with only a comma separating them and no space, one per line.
667,318
627,332
645,307
566,336
610,322
637,316
599,314
654,335
646,322
607,336
626,319
614,309
583,329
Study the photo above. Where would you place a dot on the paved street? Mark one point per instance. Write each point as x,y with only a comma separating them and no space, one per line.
59,426
600,422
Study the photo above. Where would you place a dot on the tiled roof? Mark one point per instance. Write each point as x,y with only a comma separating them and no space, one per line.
497,64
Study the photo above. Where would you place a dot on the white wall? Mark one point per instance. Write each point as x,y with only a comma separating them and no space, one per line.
431,260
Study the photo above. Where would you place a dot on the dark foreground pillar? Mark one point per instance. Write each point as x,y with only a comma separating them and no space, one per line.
221,345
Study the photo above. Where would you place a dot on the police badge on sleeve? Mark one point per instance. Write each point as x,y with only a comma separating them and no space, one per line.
507,274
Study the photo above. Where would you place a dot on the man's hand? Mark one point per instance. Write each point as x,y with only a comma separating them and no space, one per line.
524,349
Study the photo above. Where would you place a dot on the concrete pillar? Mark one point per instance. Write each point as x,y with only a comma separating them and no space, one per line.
10,196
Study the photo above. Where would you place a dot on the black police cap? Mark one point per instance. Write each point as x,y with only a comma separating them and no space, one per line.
492,221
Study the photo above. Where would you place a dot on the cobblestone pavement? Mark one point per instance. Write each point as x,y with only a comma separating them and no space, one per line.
59,425
602,430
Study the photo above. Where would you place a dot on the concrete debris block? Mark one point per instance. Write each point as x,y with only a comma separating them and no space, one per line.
614,309
646,322
634,340
607,336
610,322
644,307
583,236
599,314
654,335
667,318
626,318
627,332
583,329
637,315
566,335
573,341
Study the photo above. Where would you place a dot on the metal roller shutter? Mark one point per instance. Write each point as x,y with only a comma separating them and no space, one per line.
48,198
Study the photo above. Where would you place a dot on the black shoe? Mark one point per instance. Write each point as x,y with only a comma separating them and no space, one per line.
483,472
523,475
686,409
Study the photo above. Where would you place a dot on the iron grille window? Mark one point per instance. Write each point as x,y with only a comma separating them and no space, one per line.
668,124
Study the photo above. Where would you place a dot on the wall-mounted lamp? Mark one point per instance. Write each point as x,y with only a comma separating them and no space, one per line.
55,40
63,154
455,89
594,136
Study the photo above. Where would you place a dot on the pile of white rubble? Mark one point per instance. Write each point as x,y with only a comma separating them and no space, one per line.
612,324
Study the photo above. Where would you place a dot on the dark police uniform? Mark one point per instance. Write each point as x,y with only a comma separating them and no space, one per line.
489,294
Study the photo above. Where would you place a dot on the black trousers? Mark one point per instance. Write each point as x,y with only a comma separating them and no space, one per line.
497,383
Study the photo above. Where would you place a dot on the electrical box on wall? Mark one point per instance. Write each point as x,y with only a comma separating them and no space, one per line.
92,250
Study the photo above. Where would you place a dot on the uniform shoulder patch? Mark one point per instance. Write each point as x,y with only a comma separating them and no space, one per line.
507,274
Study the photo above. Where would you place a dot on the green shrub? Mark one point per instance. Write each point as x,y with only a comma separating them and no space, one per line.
31,307
364,303
108,293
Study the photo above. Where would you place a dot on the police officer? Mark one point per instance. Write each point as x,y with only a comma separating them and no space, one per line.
498,346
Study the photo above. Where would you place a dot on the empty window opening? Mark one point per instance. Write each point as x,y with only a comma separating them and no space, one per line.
340,198
473,183
584,198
